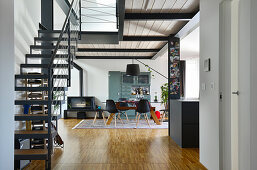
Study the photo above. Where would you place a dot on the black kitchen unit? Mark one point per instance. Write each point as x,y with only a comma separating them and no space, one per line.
184,122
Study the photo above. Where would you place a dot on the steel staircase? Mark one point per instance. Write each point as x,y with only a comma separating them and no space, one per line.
42,83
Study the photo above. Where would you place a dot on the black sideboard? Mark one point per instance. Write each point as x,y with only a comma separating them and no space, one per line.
184,122
81,113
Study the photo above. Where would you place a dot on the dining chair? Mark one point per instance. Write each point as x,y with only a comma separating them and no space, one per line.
123,103
112,109
164,113
96,113
143,107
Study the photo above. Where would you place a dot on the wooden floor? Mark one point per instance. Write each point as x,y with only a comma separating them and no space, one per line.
118,149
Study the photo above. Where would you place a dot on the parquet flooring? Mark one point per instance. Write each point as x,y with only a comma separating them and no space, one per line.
118,149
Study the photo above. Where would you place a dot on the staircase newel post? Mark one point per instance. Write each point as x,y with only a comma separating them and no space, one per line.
49,107
80,19
69,51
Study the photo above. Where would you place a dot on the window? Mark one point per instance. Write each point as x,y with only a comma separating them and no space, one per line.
143,79
128,79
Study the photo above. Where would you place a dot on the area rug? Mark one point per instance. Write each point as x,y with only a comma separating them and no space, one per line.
131,124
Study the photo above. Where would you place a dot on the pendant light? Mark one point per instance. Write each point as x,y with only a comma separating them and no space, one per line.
133,69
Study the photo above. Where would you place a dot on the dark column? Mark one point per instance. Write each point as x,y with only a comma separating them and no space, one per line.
47,20
47,14
174,67
47,17
173,70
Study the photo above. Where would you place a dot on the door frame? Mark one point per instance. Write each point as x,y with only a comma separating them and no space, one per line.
229,84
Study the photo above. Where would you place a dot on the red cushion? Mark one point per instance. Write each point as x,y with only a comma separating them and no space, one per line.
158,114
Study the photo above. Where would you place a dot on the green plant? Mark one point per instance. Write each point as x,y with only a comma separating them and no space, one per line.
56,96
69,106
149,69
164,94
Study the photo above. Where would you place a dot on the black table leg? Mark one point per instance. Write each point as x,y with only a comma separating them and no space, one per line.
100,116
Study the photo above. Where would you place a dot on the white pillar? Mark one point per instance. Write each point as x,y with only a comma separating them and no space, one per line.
253,78
7,84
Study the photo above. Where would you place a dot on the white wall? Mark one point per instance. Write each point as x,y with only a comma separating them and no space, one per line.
27,16
7,84
253,98
96,83
74,90
192,78
209,98
26,21
244,85
59,16
189,51
247,85
209,115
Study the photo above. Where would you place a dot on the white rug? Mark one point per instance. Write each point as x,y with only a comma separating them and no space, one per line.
99,124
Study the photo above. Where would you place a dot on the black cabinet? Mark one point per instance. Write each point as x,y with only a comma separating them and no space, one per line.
81,115
184,122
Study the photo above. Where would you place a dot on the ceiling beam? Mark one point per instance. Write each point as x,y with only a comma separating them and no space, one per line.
145,38
187,29
121,15
94,36
116,50
114,57
159,16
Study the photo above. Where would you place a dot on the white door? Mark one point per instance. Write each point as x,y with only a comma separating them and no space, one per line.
229,84
234,84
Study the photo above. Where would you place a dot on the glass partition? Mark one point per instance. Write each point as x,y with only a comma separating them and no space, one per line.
98,15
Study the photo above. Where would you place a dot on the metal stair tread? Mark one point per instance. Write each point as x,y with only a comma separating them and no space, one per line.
49,47
37,102
21,117
31,132
46,56
43,65
51,39
34,76
31,76
30,154
52,31
39,88
49,31
27,134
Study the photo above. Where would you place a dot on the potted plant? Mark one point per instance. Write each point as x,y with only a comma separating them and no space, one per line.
57,95
165,95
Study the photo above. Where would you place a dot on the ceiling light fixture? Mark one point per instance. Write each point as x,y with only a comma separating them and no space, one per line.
133,69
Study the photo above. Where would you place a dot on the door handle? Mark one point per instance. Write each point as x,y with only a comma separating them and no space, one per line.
235,92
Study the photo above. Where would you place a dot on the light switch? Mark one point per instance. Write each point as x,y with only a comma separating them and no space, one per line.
203,86
212,85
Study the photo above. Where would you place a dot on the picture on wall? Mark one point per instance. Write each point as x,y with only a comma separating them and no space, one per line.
174,52
174,58
177,45
174,68
174,86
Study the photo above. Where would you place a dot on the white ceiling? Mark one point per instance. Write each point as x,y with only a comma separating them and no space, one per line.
147,27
